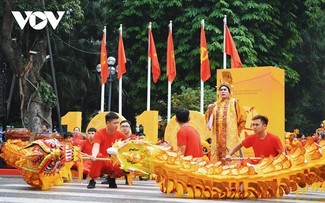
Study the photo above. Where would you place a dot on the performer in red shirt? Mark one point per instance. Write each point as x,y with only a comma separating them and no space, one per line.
125,127
188,138
86,147
264,143
78,137
104,139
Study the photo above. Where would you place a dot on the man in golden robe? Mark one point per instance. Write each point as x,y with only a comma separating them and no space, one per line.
227,119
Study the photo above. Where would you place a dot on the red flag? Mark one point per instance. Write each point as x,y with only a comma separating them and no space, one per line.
152,53
171,65
204,57
103,60
231,50
121,59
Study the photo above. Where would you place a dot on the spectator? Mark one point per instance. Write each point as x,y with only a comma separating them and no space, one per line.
45,129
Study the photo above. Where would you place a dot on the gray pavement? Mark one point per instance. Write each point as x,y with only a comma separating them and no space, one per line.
13,189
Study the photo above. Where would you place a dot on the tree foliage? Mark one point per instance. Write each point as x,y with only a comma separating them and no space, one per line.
265,33
305,104
285,34
190,98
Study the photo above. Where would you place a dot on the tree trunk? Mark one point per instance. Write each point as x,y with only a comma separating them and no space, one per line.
34,112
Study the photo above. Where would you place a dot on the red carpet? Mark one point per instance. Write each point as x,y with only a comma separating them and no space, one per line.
9,171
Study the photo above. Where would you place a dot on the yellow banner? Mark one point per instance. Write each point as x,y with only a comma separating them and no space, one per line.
260,90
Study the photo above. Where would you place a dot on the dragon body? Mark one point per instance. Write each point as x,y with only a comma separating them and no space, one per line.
43,163
180,176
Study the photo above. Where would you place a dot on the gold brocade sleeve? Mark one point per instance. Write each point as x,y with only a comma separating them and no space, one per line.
241,117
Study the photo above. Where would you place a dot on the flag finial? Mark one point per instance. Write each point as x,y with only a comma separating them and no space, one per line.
120,29
225,19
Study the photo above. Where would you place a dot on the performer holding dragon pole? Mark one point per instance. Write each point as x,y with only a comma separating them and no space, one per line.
263,143
104,139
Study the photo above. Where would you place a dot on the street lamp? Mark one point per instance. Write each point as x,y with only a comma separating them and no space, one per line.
112,74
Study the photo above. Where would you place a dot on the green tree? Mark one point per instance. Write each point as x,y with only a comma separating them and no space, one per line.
265,32
305,104
190,98
25,52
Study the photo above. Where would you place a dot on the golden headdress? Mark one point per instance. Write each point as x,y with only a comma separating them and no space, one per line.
226,80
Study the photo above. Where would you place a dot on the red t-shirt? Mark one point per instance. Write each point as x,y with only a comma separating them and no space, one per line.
270,145
106,141
77,139
86,147
190,137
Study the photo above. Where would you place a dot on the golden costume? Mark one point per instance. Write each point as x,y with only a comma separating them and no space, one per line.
229,119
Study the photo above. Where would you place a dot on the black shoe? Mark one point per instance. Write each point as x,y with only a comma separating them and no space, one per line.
91,184
84,176
112,183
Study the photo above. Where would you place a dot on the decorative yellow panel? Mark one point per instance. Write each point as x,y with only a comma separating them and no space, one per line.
72,119
149,121
260,90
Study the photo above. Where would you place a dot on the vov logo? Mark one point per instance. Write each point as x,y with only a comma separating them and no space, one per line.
41,17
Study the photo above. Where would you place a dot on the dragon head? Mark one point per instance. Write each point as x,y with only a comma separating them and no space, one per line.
42,156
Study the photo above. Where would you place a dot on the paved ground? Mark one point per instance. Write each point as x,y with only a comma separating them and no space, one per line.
14,189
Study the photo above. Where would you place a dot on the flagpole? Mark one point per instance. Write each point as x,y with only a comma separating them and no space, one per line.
103,85
224,42
120,85
102,98
202,83
169,101
169,86
149,71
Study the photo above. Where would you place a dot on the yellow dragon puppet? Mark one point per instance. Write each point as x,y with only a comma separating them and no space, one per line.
44,162
180,176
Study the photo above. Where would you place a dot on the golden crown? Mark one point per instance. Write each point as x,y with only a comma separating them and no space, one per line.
226,80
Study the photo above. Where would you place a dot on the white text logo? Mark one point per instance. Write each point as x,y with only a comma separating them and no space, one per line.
43,18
